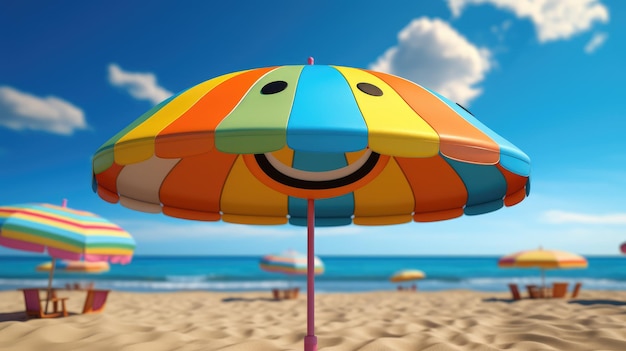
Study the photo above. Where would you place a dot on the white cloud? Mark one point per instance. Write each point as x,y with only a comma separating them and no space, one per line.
560,217
433,54
595,42
142,86
19,111
553,19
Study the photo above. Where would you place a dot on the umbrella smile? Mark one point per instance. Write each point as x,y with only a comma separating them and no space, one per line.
335,178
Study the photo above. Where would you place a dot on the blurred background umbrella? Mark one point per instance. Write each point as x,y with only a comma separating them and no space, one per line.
543,259
291,263
63,233
311,145
622,248
75,266
407,275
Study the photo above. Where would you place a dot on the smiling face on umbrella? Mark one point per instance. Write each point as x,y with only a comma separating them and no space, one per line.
316,132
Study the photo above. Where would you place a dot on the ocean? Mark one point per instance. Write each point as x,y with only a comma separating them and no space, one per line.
342,274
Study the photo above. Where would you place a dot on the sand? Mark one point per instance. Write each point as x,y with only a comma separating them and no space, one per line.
373,321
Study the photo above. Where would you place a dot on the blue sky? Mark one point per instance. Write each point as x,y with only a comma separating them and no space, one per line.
546,75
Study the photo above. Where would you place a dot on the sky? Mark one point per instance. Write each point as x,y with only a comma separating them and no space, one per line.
547,75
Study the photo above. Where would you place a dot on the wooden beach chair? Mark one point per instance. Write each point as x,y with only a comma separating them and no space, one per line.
95,301
559,290
534,292
576,290
515,292
35,305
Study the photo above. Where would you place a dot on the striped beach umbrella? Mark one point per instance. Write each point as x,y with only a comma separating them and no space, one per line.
290,262
310,145
75,266
407,275
543,259
64,233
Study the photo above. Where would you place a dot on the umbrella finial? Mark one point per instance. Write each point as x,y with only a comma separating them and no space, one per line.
311,60
64,204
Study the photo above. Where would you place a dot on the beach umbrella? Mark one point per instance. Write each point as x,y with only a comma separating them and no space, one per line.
290,262
622,248
542,259
75,266
63,233
407,275
312,145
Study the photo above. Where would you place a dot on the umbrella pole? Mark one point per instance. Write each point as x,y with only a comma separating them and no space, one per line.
50,276
310,340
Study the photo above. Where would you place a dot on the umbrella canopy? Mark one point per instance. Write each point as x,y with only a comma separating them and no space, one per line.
75,266
543,259
622,248
546,259
64,233
407,275
310,145
289,262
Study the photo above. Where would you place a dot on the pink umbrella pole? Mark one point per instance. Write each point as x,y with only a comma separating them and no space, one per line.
310,340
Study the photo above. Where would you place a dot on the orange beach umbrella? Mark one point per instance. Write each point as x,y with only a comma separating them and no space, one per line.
543,259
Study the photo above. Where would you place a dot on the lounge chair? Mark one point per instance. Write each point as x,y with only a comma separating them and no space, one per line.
95,301
559,289
276,294
534,292
35,306
515,292
576,290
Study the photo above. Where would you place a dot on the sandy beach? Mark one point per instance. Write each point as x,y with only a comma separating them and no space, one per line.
373,321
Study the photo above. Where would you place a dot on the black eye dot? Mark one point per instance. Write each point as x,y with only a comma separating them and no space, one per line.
274,87
468,111
370,89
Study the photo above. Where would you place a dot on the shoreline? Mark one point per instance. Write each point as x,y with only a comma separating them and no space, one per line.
449,320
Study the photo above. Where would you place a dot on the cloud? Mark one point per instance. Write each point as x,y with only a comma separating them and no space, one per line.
561,217
19,111
553,19
432,53
595,42
141,86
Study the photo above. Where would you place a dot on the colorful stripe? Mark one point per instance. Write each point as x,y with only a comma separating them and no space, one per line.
64,232
407,275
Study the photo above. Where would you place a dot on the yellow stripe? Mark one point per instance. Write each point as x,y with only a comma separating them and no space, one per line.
388,195
138,144
245,196
393,127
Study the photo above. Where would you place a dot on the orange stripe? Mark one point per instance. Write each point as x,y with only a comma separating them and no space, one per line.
196,183
194,131
107,183
436,186
455,132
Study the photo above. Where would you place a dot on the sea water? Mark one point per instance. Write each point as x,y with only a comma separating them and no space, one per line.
342,274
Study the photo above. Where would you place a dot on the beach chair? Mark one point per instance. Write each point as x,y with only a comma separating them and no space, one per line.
35,306
276,294
515,292
95,301
576,289
534,292
559,289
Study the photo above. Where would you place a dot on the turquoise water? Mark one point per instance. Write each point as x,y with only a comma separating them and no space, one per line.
342,274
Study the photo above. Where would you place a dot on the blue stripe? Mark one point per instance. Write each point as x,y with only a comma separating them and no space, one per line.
485,185
325,116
